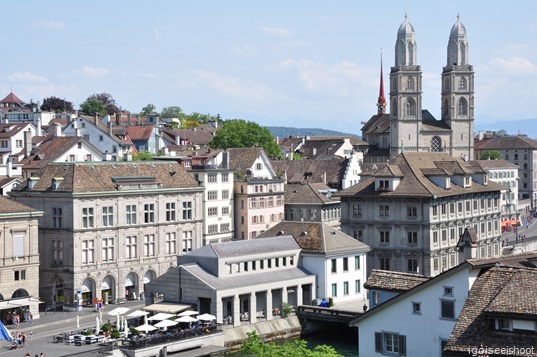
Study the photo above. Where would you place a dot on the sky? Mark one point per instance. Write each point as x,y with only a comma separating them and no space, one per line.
304,64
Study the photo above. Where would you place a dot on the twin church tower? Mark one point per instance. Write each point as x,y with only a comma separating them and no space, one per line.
409,127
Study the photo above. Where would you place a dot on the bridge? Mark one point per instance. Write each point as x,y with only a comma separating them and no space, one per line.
315,318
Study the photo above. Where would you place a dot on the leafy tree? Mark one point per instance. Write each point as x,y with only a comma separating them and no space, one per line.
490,155
107,100
187,124
298,348
93,106
55,104
297,156
142,156
172,112
147,110
239,133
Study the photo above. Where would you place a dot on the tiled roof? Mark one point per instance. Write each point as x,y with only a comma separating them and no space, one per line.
312,171
415,183
520,260
241,159
201,135
11,98
393,281
139,132
10,129
389,171
103,176
499,292
493,164
8,205
307,193
321,149
316,237
49,150
290,144
506,143
377,124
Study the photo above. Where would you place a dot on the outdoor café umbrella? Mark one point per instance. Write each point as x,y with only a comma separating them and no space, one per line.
186,319
97,327
166,323
118,322
206,317
160,316
138,313
118,311
188,313
78,322
125,325
145,328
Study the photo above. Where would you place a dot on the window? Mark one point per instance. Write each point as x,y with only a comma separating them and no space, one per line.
212,195
212,229
170,212
258,166
411,211
149,245
345,264
18,143
410,107
225,177
447,309
333,266
436,144
384,237
20,275
187,241
212,211
100,138
463,107
384,210
435,210
462,83
412,237
171,243
131,247
107,250
356,210
386,342
57,251
357,262
212,178
412,265
225,211
409,83
444,209
108,216
225,194
131,214
416,308
503,324
384,263
334,290
187,210
88,251
357,286
435,237
224,227
87,217
345,288
149,213
448,291
57,215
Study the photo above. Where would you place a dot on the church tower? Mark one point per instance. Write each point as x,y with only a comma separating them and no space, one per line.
405,93
458,94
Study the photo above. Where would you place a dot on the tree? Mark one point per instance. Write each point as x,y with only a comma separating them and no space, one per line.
107,100
298,348
239,133
490,155
93,106
58,105
148,110
172,112
142,156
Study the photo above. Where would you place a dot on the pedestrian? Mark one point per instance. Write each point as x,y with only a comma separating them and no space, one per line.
365,307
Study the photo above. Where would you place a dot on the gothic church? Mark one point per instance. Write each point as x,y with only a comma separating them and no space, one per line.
409,128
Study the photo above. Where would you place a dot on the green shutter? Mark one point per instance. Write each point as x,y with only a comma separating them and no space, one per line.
378,342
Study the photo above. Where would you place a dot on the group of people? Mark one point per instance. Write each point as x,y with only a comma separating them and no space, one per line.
36,355
19,340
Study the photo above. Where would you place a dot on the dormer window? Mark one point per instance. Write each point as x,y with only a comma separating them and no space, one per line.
504,324
467,181
384,185
485,179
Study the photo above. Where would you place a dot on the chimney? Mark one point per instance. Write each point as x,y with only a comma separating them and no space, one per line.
129,119
27,143
118,119
38,125
107,156
95,118
77,132
9,168
324,177
56,129
110,128
177,140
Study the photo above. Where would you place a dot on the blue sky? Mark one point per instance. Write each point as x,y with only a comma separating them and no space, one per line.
283,63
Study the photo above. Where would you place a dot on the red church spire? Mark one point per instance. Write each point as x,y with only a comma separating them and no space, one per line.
381,103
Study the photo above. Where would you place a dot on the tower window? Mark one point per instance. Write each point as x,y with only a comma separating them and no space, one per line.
462,83
410,83
410,107
463,107
436,144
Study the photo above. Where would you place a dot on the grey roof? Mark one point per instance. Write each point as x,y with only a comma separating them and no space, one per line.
393,280
307,194
241,159
8,205
493,164
313,171
506,143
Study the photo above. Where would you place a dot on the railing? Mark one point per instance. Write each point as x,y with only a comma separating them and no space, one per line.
159,339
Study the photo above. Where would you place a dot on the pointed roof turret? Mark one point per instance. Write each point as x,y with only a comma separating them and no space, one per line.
11,98
457,53
405,46
381,103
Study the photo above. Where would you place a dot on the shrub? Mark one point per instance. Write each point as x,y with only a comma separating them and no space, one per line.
331,302
115,333
106,327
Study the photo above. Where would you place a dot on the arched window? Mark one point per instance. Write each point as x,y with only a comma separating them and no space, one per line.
410,107
463,107
462,83
445,109
436,144
410,83
394,107
19,293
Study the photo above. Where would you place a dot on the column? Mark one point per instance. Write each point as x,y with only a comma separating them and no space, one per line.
219,313
236,311
299,295
253,308
268,313
285,298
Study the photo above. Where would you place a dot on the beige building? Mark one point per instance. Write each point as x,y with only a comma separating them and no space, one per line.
110,227
19,273
258,192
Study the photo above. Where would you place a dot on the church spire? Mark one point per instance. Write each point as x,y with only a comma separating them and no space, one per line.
381,103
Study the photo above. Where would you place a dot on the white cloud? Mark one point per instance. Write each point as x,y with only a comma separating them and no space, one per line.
277,31
50,25
95,73
26,77
511,65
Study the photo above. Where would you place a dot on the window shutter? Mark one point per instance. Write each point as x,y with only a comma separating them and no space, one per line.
378,342
402,345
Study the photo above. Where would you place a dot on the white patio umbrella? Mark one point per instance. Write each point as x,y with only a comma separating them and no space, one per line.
138,313
186,319
146,328
160,316
97,327
188,313
125,326
206,317
118,311
166,323
77,322
118,322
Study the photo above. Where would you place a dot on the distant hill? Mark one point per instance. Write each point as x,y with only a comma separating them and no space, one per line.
512,127
284,132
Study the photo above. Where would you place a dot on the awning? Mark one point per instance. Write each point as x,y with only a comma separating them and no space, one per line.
14,303
106,284
168,307
128,282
